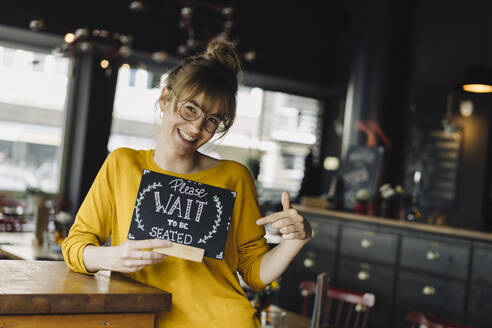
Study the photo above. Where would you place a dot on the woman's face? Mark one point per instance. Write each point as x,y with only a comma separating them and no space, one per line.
185,137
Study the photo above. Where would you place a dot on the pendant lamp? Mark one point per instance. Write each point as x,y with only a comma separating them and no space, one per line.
478,80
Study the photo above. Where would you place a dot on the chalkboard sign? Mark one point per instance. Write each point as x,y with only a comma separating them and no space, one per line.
183,211
360,170
436,154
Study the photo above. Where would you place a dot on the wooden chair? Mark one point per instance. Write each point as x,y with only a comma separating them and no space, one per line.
419,318
352,308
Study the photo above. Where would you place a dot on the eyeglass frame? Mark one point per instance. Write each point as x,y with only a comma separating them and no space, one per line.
181,103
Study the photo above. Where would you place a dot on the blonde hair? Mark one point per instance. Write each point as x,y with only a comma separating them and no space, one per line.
215,73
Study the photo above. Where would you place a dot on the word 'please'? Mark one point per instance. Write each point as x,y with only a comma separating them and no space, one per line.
178,185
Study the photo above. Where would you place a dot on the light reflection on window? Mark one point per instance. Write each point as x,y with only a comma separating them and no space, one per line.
33,89
274,128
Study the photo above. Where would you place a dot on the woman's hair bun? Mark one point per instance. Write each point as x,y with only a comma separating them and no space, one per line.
223,53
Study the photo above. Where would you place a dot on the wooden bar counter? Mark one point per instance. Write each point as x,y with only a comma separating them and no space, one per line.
48,294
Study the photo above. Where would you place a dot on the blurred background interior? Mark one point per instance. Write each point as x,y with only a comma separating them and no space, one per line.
352,106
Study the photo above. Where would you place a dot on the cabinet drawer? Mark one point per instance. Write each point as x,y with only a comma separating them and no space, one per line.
325,233
314,261
479,305
422,292
366,277
482,263
440,256
369,245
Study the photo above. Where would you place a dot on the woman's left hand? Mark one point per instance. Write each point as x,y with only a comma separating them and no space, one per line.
289,223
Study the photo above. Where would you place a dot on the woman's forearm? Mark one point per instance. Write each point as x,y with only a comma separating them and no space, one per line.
276,260
95,258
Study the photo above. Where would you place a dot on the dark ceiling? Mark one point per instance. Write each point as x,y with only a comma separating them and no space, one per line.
303,40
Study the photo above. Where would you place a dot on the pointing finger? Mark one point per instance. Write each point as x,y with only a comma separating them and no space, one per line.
285,199
270,218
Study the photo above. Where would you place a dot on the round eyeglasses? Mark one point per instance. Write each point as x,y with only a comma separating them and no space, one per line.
190,111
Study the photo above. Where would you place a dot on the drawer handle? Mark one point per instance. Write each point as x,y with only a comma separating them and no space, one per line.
360,308
428,290
432,255
363,275
309,263
366,243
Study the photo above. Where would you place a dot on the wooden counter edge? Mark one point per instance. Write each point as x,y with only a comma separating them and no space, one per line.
50,287
396,223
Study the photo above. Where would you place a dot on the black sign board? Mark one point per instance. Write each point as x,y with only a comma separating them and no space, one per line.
182,211
436,154
360,170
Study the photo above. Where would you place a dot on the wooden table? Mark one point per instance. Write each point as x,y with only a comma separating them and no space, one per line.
20,246
32,292
294,320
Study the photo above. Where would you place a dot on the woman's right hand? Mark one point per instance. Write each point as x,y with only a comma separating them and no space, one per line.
127,257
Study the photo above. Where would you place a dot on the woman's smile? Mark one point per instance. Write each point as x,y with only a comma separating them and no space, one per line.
188,138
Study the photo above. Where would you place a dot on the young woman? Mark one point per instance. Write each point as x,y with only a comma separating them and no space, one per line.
197,102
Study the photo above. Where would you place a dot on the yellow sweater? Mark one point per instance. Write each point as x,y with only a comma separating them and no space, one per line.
206,294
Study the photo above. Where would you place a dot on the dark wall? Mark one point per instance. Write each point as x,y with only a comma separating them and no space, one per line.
452,36
303,40
427,47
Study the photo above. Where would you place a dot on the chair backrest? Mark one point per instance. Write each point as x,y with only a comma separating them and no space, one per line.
420,318
322,286
342,308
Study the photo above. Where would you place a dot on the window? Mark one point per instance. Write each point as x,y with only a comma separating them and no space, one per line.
135,115
272,129
33,89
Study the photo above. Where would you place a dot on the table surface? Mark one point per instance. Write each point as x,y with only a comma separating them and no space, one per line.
293,320
20,246
49,287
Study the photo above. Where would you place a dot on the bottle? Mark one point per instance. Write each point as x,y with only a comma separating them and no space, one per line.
413,209
49,236
334,197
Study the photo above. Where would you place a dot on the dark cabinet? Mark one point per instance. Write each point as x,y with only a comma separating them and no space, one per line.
445,275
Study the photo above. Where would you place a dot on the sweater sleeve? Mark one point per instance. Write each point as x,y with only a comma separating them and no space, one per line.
250,242
92,225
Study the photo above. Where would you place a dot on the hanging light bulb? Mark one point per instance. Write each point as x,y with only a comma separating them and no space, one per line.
81,32
159,56
466,108
36,24
69,37
104,63
250,56
136,6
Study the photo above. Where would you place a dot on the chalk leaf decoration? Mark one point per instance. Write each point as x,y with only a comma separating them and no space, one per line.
210,234
140,198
